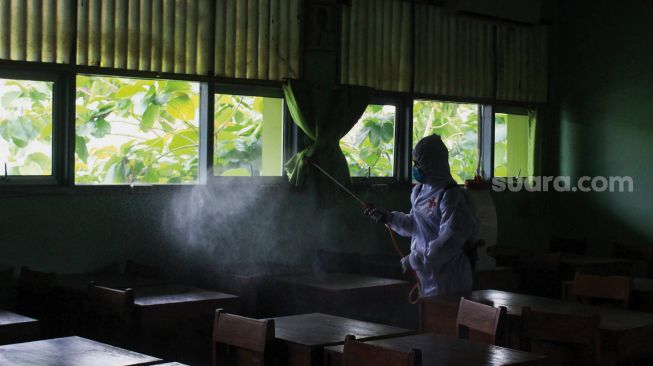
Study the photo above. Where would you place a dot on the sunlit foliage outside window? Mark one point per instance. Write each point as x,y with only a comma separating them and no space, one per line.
513,144
25,127
248,136
457,124
369,145
136,131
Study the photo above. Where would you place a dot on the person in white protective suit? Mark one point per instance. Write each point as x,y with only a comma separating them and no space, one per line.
440,223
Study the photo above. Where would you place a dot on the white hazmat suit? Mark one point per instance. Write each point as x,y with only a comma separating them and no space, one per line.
439,230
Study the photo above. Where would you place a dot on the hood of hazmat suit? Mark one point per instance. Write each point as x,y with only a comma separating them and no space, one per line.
439,223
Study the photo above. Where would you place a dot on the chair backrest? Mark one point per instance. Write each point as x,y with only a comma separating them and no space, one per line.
142,270
480,322
539,274
240,340
615,289
642,255
365,354
563,338
635,345
633,251
568,245
109,313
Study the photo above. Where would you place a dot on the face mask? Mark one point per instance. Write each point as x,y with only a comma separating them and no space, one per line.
418,174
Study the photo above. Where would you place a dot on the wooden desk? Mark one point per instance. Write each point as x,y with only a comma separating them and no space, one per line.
178,303
304,336
71,291
572,263
355,296
175,321
70,351
80,281
438,315
251,282
438,350
17,328
641,296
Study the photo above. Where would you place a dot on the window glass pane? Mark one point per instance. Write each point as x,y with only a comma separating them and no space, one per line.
457,124
25,127
136,131
369,146
248,136
513,144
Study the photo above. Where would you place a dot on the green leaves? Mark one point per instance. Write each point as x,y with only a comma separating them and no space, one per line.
128,91
238,137
182,108
150,116
8,98
136,131
457,124
369,146
80,149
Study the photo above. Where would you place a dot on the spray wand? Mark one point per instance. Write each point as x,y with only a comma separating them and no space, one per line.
413,295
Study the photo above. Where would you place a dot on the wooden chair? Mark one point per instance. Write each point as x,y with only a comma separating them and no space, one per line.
480,322
614,290
568,245
564,338
539,274
635,346
241,341
109,315
642,255
142,270
364,354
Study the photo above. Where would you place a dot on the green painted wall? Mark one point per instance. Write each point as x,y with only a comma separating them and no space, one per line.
605,82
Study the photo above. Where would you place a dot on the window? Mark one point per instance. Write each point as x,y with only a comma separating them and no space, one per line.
248,136
26,125
514,135
369,145
457,124
136,131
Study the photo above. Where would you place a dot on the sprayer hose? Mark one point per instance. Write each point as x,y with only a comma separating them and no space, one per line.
413,295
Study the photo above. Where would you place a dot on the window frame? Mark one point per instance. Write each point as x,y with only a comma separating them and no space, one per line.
289,133
58,129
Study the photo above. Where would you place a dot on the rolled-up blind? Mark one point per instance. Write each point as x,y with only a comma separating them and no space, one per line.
454,56
146,35
522,63
36,30
377,44
257,39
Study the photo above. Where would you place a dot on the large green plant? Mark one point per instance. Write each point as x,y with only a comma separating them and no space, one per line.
26,127
136,131
238,135
457,124
369,146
